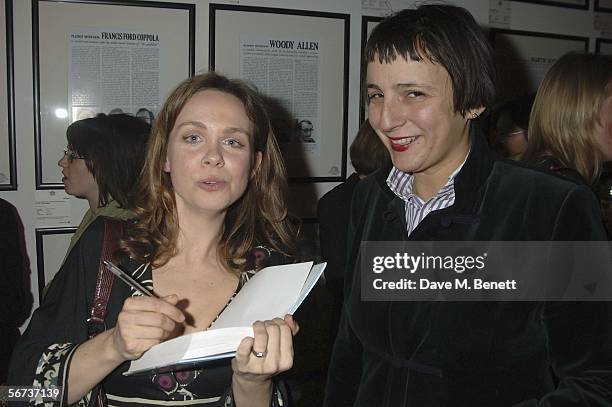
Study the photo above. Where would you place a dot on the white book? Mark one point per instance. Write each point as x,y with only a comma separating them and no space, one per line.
272,292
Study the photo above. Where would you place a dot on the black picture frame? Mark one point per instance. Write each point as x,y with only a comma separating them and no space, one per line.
559,3
365,23
11,183
600,43
41,184
512,84
40,254
215,9
605,8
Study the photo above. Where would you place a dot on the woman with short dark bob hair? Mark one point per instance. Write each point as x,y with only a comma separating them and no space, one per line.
210,211
102,163
106,144
429,75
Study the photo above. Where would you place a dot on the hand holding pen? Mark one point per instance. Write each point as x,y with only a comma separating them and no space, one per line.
144,321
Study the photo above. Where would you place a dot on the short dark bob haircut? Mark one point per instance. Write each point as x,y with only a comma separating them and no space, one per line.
445,35
113,148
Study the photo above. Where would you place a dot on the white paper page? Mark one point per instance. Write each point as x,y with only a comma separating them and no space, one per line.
312,279
198,346
269,294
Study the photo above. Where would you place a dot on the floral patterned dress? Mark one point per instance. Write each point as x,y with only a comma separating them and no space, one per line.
42,357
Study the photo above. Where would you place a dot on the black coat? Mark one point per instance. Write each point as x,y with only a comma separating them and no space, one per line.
333,214
394,354
15,297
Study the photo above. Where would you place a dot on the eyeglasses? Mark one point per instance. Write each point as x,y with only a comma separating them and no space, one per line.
72,155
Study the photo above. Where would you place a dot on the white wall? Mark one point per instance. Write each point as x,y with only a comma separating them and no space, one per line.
529,17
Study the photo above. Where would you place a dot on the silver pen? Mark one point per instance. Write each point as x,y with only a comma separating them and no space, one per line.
126,278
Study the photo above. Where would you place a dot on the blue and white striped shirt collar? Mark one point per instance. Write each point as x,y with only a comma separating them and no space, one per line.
416,209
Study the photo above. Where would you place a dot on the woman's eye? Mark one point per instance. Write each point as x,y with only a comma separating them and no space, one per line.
414,93
232,142
192,138
373,96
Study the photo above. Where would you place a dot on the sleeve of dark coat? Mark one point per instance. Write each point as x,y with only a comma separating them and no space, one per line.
579,333
344,372
61,318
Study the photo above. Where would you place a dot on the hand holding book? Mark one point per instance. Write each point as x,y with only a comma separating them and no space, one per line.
271,293
268,353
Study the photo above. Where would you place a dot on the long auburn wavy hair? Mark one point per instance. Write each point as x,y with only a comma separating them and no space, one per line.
259,217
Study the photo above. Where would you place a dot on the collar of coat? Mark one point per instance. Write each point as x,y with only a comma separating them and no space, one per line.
470,179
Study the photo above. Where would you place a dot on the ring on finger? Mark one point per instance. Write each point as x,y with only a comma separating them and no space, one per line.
259,354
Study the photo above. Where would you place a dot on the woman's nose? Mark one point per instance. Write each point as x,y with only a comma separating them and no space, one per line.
63,162
213,156
390,116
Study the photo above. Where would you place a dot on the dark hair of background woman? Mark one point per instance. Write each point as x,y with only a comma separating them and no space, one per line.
120,136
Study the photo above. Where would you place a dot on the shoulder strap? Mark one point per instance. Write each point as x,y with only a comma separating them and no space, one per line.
113,230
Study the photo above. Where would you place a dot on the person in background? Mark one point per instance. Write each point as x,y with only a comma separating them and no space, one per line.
571,123
367,154
146,115
570,129
430,74
15,297
511,121
116,110
212,191
102,163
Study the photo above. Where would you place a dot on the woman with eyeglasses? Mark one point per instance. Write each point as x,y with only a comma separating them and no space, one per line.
510,122
101,164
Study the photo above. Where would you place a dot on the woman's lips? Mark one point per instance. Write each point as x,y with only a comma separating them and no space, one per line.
402,143
212,185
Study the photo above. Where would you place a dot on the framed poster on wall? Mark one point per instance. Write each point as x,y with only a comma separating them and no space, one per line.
579,4
603,5
367,25
522,58
103,56
299,60
603,46
8,164
51,246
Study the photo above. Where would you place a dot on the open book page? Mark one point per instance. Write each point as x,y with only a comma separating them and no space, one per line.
184,351
311,281
270,293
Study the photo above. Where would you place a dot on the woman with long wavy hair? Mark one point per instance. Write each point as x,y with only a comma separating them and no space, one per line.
211,211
